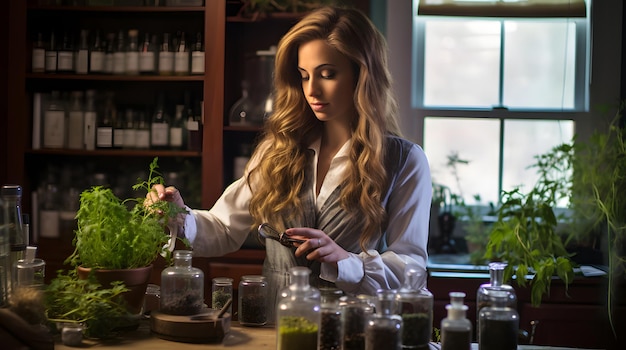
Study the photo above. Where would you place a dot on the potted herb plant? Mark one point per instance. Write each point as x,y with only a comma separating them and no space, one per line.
116,236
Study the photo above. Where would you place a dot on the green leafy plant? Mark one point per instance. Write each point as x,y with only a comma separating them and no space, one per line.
110,236
69,299
525,233
598,202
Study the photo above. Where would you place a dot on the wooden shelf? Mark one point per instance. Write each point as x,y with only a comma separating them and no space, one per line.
114,77
116,153
117,8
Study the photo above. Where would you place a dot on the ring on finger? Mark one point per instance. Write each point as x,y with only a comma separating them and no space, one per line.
319,242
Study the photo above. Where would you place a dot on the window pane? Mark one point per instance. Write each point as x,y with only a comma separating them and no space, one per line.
539,64
474,140
523,140
461,63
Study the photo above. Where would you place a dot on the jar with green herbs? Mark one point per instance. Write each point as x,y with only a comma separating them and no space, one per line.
298,313
415,306
182,286
221,293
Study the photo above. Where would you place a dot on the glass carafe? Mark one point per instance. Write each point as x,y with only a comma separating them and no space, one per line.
496,285
499,323
383,330
182,286
415,305
298,313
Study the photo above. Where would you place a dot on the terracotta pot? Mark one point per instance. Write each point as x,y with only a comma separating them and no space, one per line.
134,279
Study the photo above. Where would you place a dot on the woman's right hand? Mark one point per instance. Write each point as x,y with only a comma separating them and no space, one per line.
162,193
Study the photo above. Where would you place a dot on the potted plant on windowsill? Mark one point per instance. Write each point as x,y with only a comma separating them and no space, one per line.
115,235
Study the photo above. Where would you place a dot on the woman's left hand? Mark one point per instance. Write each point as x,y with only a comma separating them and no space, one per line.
318,245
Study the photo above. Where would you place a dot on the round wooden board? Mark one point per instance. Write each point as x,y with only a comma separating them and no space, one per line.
187,330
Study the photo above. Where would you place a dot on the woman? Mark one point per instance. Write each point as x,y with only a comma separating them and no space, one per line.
330,168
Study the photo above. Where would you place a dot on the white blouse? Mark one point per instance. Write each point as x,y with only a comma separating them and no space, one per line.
225,227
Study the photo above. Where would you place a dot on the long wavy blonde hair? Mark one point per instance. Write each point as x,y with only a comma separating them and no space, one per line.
280,176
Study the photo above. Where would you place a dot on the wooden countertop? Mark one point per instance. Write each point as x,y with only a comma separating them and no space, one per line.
239,338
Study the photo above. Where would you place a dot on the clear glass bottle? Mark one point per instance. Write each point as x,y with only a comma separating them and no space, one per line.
131,59
496,284
52,57
12,219
160,126
298,313
104,132
54,122
181,56
197,56
252,307
221,292
177,129
330,319
354,313
76,120
383,329
109,55
30,271
38,59
415,305
147,55
499,323
119,54
65,55
182,286
130,131
91,121
82,53
96,54
166,56
456,329
142,131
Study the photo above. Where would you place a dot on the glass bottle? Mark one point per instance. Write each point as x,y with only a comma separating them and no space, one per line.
82,53
383,329
109,55
177,129
241,111
30,271
96,55
38,59
12,217
65,55
496,284
354,313
130,130
51,55
76,120
252,307
54,122
499,323
456,329
91,121
330,319
181,56
118,129
104,132
147,55
298,313
166,56
142,131
119,54
415,305
5,263
197,56
221,292
160,126
182,286
131,60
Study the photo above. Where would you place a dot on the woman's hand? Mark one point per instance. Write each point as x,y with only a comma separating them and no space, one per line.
162,193
318,245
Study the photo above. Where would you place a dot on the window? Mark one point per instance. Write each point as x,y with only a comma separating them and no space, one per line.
496,90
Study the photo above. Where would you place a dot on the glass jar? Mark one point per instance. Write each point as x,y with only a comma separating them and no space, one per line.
499,323
182,286
354,313
415,306
298,313
252,300
456,329
221,293
383,330
330,320
496,284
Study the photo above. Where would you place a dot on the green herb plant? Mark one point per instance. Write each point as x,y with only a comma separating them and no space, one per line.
525,233
110,236
69,299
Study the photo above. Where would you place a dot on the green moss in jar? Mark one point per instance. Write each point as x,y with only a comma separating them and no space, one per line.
297,333
219,299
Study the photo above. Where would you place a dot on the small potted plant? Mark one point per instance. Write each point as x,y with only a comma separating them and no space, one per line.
116,236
